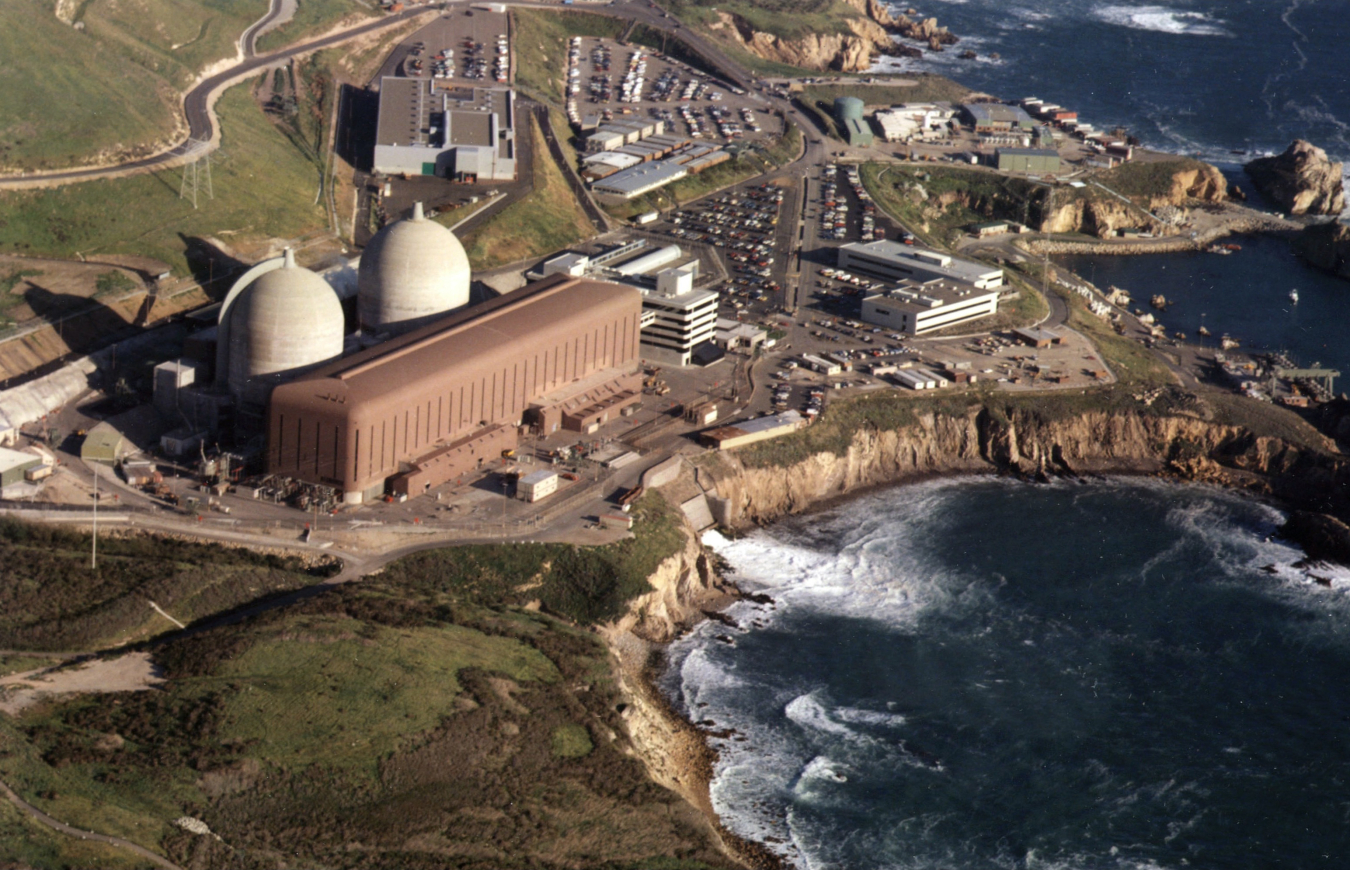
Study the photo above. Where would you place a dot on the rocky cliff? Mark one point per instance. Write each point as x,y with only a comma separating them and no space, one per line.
1172,187
1302,180
1326,246
1024,441
1188,442
869,35
675,752
851,52
1101,214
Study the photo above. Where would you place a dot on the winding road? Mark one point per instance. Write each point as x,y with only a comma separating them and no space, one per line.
198,103
50,822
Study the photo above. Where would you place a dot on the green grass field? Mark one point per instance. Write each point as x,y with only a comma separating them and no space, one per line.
264,184
68,96
27,843
312,17
549,219
427,717
786,18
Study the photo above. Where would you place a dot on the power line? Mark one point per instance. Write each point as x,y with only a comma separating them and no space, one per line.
197,171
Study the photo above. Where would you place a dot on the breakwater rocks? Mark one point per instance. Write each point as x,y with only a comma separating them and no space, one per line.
1302,180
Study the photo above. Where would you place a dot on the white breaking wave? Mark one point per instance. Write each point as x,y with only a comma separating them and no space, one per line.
809,713
868,717
1161,19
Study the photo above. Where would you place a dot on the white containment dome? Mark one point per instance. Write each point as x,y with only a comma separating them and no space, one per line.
281,322
411,272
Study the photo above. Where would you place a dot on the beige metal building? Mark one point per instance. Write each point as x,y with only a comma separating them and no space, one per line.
434,403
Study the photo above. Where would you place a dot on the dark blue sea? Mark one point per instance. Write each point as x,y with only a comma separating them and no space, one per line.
1201,77
1245,294
1123,675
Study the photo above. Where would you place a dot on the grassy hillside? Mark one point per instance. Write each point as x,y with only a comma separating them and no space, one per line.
68,95
423,718
311,18
541,39
786,18
547,220
52,600
937,202
27,843
265,186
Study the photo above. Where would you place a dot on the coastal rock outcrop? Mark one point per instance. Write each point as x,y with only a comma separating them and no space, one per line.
1028,442
840,52
1102,216
1323,538
1326,246
869,35
1302,180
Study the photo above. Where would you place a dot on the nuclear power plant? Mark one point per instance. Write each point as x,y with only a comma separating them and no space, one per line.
424,387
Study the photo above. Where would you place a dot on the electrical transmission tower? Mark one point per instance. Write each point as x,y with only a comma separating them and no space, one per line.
197,171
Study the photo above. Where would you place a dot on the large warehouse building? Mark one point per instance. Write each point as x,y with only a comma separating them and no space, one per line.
464,133
893,261
439,401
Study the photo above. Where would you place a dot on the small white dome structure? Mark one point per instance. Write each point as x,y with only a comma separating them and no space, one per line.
279,319
411,272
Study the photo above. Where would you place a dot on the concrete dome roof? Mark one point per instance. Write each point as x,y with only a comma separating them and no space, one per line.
288,319
412,271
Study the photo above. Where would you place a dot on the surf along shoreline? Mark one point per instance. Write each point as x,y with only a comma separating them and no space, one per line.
1183,437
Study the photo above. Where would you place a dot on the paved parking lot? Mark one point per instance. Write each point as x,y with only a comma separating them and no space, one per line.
452,46
609,81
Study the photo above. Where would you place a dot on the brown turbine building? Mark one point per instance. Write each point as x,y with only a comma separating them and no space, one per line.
422,408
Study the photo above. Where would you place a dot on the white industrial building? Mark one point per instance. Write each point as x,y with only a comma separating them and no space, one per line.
676,317
649,262
640,179
896,262
911,120
917,308
537,485
426,128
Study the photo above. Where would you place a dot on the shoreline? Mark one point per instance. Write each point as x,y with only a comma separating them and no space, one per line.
688,759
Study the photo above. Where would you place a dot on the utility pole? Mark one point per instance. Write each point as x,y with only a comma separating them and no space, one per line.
93,540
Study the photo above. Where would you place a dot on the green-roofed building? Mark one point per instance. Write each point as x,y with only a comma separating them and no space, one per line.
103,444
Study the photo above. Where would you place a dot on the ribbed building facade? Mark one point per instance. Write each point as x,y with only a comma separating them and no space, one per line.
443,399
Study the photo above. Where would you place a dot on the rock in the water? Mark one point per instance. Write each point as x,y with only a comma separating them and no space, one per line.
1303,180
1326,246
1321,536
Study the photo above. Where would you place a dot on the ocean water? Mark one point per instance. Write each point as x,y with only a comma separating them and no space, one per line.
1203,77
1245,294
985,674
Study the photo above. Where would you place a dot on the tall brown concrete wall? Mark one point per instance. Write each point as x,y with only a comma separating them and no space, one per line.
354,424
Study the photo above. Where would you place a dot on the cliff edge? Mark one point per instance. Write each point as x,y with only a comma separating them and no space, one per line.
853,48
1302,180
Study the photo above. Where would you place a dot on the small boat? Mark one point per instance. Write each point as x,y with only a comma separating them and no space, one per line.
1227,342
1202,330
1179,336
1230,246
1218,249
1159,302
1293,296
